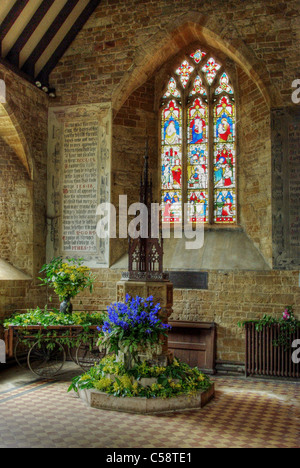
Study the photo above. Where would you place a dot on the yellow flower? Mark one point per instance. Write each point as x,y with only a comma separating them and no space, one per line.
201,378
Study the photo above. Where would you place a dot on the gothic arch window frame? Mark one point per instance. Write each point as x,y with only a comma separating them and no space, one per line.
184,101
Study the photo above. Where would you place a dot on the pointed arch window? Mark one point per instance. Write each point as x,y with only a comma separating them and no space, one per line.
198,143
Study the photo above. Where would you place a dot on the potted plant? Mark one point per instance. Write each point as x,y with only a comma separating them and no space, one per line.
67,278
133,329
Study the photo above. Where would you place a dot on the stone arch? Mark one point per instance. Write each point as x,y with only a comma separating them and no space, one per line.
11,132
186,29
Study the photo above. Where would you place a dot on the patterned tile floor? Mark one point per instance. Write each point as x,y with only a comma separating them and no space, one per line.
244,414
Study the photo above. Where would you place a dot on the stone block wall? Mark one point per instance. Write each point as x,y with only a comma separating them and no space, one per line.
134,123
115,58
23,194
231,297
118,55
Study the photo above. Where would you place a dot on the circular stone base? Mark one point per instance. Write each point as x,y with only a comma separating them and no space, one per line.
96,399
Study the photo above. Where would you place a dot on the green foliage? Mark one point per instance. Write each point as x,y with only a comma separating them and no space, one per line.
112,377
68,277
47,318
288,326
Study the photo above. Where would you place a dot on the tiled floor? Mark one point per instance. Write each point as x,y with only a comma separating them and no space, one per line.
244,413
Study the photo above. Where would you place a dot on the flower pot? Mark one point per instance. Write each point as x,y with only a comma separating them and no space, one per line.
66,306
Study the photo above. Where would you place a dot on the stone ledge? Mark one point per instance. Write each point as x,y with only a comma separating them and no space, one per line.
96,399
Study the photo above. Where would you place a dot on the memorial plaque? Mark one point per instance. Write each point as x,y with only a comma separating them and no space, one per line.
286,187
189,279
78,181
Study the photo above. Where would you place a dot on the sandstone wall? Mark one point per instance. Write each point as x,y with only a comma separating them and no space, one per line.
116,58
23,179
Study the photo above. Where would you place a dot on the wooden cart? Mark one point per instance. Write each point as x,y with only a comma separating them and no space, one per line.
44,351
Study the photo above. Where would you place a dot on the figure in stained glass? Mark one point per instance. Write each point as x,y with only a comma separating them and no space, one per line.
225,154
197,156
225,211
197,122
198,176
224,128
176,173
197,206
171,132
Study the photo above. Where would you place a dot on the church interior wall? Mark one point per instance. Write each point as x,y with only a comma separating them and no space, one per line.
110,61
23,196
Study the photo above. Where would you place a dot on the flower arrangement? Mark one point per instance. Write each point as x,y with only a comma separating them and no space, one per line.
113,378
288,325
47,317
133,327
67,278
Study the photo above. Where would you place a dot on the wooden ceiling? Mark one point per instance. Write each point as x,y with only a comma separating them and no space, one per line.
35,34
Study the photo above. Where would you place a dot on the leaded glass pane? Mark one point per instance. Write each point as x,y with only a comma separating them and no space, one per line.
224,162
171,162
172,90
184,72
210,69
171,204
224,85
197,139
198,206
198,55
198,87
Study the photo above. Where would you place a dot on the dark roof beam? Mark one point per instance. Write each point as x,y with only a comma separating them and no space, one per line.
29,65
10,19
43,76
14,53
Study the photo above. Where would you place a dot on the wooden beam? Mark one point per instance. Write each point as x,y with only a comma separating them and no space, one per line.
10,19
29,65
14,53
43,76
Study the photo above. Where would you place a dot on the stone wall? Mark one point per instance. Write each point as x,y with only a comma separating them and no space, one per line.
254,166
231,297
23,182
134,123
124,42
116,58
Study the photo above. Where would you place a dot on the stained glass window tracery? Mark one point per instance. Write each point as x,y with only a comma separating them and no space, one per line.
210,70
184,72
198,135
198,55
198,87
224,85
172,89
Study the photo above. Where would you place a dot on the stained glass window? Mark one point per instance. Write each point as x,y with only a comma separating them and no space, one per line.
184,72
198,56
224,85
198,151
171,166
210,69
198,87
172,90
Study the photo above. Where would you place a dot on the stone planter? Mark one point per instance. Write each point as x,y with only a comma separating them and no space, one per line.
96,399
